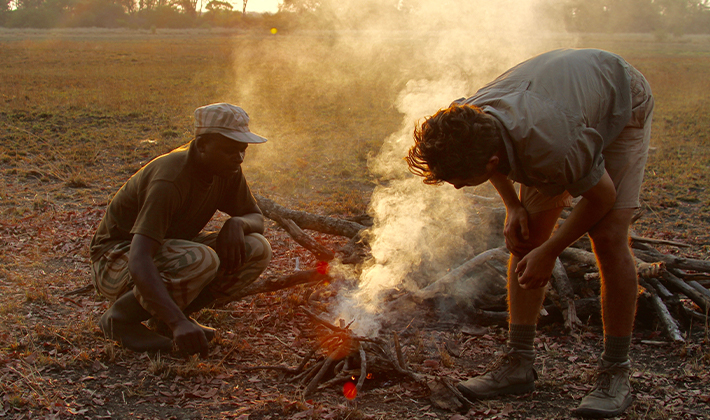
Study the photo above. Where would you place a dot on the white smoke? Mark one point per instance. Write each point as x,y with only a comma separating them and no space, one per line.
438,51
419,228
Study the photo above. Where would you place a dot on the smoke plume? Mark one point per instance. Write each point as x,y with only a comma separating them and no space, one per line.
419,56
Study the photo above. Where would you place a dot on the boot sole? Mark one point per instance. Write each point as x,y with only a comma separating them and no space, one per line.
601,414
509,390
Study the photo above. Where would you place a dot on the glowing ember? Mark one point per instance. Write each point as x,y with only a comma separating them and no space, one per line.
350,390
322,267
274,30
370,376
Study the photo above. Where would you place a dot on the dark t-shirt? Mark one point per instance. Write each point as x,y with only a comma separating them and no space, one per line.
166,199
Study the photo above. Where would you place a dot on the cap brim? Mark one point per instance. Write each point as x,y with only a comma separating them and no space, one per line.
245,137
239,136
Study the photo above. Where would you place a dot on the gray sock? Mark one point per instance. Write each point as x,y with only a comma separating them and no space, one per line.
521,337
616,349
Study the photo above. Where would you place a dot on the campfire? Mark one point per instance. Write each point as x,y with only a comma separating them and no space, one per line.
673,292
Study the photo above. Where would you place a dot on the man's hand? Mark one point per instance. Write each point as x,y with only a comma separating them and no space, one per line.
231,247
190,338
516,233
535,269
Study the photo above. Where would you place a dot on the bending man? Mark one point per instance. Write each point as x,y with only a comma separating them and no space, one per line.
564,124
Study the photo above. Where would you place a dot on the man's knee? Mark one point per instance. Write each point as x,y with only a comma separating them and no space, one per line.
260,248
188,260
612,232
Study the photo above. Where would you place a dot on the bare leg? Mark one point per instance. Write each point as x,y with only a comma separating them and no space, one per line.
524,305
612,393
619,283
513,372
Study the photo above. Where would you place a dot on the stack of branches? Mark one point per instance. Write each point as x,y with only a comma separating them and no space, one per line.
339,356
666,281
673,290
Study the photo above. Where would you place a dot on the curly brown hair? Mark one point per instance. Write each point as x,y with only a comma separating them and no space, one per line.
454,143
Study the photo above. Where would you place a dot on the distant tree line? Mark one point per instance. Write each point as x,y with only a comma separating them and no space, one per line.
675,17
138,14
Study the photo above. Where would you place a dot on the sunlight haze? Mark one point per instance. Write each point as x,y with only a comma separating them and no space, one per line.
258,6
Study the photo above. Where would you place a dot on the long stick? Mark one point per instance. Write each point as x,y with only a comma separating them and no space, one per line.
448,283
658,241
689,291
363,370
306,374
398,351
564,289
670,325
316,379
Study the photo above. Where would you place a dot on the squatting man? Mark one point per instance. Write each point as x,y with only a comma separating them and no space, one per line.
150,256
564,124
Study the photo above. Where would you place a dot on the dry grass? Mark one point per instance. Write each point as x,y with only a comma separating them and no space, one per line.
82,110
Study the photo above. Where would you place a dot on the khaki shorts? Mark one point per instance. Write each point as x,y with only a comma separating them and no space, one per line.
624,159
186,268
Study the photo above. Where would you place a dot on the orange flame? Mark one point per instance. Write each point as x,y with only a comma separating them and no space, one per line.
322,267
350,390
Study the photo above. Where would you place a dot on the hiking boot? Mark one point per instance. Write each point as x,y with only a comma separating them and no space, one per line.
123,322
611,394
511,373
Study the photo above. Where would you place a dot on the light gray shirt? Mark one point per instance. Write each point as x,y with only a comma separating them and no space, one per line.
558,112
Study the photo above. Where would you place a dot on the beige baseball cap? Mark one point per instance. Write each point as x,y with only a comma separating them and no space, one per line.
227,120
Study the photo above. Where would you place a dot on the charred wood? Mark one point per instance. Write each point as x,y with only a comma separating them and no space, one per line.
452,282
325,224
321,252
264,285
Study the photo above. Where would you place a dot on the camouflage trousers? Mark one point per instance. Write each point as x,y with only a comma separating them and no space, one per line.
186,268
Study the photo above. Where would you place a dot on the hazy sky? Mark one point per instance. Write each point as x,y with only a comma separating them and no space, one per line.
257,6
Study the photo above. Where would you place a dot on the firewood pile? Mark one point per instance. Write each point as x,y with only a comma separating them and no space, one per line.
673,290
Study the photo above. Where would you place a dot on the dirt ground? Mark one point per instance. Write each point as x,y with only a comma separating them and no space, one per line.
61,161
56,364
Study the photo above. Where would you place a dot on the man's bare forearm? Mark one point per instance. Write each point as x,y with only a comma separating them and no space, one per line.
593,206
506,190
147,279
